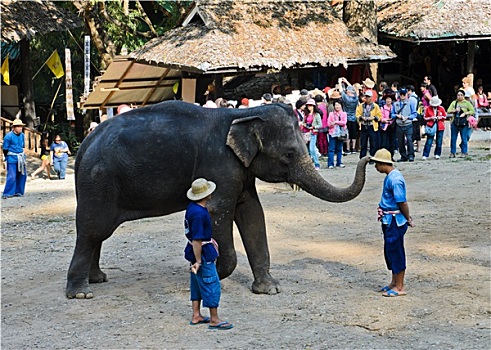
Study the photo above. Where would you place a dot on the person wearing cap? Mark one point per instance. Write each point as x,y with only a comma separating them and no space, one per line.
13,150
350,102
461,110
368,114
202,251
393,213
434,113
123,109
404,112
244,103
311,124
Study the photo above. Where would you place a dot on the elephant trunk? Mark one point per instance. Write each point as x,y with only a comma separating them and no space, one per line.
309,180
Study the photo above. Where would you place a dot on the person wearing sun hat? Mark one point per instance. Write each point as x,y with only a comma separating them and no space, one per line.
368,114
202,251
434,113
393,213
13,150
368,85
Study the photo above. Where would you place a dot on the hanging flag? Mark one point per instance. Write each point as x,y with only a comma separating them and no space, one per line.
5,70
70,115
54,63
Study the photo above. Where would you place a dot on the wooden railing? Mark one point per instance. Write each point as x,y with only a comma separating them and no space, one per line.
32,137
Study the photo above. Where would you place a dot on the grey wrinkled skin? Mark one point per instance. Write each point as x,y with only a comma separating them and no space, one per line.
141,164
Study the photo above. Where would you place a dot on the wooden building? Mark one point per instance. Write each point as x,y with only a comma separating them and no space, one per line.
219,39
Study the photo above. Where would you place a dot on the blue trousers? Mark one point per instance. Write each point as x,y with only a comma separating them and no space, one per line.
313,149
429,142
394,252
405,139
15,183
454,132
387,140
335,146
205,285
60,166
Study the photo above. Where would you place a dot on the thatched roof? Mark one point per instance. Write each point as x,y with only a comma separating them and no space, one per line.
435,20
25,19
221,36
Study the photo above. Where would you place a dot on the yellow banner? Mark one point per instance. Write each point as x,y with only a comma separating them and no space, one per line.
54,63
5,71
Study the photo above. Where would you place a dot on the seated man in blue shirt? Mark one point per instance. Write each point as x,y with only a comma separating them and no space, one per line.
393,212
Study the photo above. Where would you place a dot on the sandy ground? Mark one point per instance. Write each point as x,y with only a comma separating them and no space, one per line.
327,257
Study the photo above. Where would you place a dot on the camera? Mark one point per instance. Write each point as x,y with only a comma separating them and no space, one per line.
309,125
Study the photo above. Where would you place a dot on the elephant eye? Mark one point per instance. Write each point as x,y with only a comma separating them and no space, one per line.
289,155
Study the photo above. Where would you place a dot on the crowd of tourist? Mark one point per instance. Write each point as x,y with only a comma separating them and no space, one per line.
359,119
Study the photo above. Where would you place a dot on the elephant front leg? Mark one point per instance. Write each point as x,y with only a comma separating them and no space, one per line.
249,217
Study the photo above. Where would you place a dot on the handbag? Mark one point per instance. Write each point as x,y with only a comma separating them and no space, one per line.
431,130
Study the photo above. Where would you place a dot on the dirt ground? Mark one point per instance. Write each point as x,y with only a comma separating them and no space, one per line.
328,258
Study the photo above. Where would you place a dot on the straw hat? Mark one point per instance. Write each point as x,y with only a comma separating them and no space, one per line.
316,92
435,101
357,86
18,122
210,104
335,95
382,156
369,83
200,189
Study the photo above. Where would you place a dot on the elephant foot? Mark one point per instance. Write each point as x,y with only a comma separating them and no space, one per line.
97,276
78,292
266,286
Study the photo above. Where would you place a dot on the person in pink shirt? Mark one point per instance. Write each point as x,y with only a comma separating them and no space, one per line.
322,143
336,122
387,124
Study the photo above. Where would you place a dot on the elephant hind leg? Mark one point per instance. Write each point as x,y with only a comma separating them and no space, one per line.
95,274
92,229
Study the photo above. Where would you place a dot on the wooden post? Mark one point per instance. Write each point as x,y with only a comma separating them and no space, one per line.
471,53
27,88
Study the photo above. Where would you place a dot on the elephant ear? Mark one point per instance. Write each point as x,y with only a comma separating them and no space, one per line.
244,138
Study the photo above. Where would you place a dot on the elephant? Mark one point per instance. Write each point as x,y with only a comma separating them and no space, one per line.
141,164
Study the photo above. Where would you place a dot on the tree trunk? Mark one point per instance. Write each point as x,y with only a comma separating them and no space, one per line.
360,16
471,53
98,35
27,86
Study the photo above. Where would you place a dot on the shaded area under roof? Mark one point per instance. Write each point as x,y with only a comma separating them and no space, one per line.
435,20
236,36
128,82
25,19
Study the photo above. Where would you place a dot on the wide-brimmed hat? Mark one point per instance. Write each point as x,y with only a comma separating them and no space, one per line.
18,122
316,92
435,101
335,95
382,156
369,83
311,102
200,189
210,104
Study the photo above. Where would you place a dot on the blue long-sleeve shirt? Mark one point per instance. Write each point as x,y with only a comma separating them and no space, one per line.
407,109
